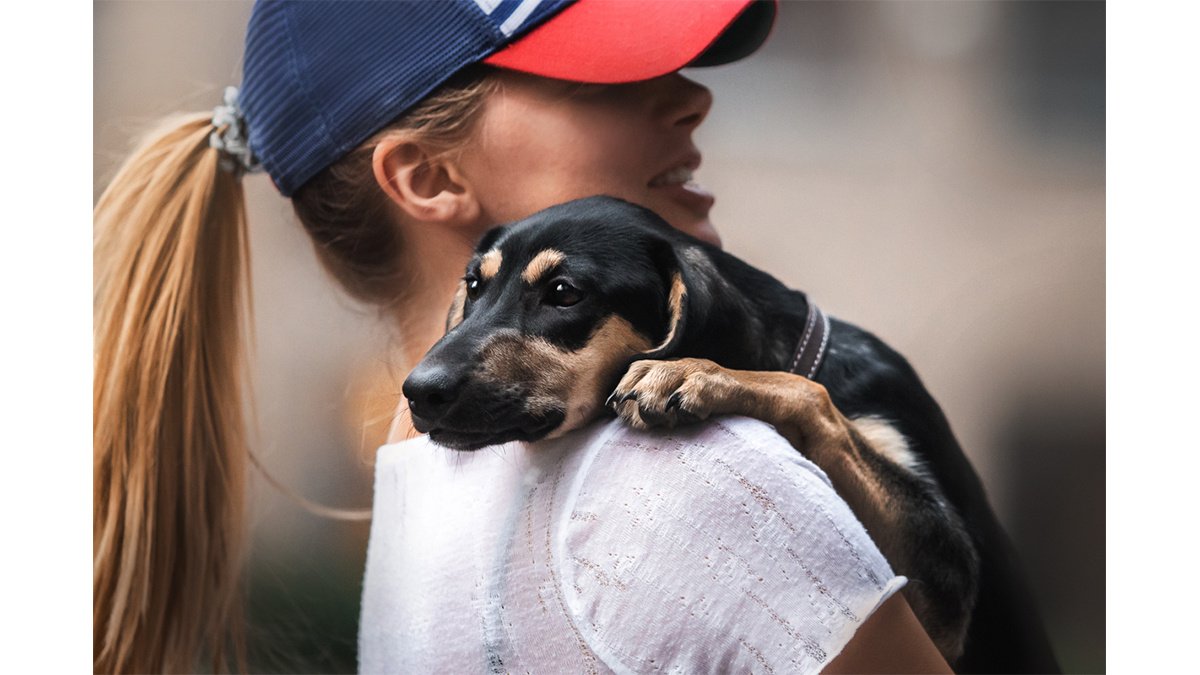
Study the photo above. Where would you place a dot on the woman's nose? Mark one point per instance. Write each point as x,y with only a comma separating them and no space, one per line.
686,103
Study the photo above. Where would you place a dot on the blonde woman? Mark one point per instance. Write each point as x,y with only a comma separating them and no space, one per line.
401,133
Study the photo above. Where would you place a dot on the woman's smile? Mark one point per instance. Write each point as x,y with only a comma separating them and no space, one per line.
543,142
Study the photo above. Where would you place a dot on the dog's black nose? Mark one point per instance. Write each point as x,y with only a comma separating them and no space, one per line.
431,390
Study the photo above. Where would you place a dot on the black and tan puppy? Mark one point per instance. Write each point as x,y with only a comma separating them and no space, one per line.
599,300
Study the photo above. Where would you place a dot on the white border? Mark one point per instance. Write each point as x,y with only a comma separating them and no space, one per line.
45,255
1153,110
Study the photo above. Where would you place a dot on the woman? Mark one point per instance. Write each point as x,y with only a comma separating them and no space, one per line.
398,150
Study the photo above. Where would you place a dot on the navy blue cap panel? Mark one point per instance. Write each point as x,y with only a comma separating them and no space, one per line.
276,108
369,66
321,77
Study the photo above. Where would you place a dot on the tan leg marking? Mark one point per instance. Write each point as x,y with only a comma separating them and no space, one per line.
489,265
700,388
541,264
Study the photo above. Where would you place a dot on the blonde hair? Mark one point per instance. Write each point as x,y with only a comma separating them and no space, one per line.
168,438
170,450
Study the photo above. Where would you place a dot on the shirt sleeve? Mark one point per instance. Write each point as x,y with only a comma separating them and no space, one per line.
714,549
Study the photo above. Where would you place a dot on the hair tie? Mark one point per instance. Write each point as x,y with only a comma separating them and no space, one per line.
229,136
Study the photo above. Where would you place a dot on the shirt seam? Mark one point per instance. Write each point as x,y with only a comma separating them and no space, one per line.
594,644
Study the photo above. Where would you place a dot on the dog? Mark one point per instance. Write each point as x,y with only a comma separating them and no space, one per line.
598,305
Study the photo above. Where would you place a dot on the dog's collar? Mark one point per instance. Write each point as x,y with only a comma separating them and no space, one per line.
810,352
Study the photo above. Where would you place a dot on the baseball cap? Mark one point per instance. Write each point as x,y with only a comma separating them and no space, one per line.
320,77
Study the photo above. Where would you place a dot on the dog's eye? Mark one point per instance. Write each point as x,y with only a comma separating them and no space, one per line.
473,287
562,294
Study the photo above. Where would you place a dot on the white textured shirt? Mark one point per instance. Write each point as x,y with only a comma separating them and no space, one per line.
713,548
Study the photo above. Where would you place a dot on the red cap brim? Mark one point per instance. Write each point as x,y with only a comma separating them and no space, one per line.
614,41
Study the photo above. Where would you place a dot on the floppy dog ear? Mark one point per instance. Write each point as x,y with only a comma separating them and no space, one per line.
489,239
688,274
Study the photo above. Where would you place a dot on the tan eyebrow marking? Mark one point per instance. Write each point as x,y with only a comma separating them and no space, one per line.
490,264
542,263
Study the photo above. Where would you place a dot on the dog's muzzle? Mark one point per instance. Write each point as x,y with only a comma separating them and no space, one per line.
461,413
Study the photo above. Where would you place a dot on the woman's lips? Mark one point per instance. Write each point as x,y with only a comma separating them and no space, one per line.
678,185
675,176
691,195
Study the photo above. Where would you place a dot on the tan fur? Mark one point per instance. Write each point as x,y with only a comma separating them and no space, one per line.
675,306
455,316
489,266
541,264
556,377
595,365
512,358
798,407
887,441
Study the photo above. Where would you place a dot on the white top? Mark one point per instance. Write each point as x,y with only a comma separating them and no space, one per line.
712,548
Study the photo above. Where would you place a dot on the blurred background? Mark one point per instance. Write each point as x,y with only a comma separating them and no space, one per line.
933,171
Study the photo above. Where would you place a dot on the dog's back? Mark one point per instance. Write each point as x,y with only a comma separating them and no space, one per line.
866,378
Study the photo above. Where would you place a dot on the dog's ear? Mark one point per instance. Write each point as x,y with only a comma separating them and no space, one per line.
488,240
688,275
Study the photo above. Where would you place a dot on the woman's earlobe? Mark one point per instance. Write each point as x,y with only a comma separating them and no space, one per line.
421,183
465,202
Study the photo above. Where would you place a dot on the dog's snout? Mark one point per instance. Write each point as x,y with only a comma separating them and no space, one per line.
431,390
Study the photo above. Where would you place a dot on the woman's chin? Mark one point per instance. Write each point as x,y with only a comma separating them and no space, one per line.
703,230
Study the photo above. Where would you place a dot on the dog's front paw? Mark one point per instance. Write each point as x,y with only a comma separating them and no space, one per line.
666,393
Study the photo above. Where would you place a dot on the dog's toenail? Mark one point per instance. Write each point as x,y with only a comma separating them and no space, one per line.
674,401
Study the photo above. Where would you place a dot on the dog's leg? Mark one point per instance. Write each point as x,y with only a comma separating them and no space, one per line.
902,509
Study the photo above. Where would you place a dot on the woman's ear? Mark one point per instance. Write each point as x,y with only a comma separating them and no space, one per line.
424,184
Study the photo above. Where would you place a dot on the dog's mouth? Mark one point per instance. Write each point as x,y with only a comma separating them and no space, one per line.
461,438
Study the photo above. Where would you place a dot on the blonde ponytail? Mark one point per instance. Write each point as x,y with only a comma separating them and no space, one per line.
170,455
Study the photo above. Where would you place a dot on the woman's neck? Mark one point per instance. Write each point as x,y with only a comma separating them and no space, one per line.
436,258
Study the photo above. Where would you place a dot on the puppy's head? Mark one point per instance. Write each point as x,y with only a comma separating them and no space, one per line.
551,311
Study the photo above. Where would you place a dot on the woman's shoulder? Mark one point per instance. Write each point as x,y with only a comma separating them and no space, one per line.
717,546
722,458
